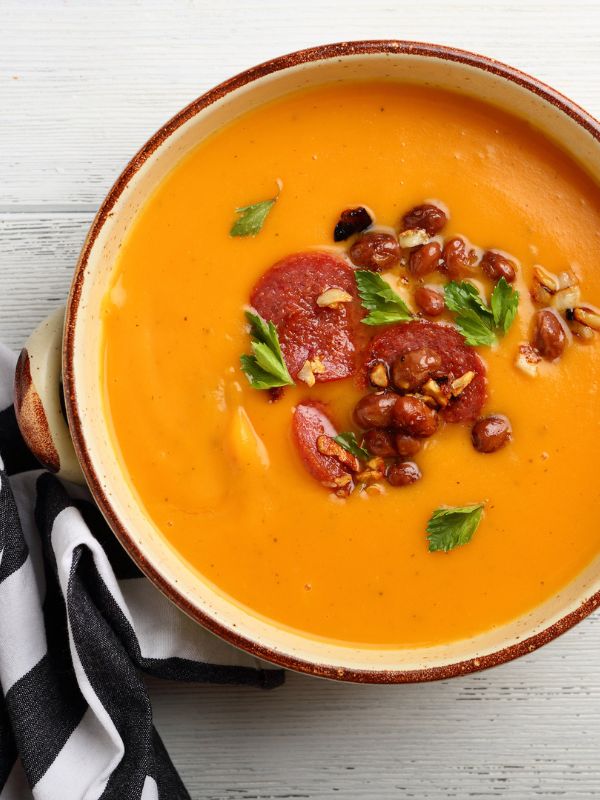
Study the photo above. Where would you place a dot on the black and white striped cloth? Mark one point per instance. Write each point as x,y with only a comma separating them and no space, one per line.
78,624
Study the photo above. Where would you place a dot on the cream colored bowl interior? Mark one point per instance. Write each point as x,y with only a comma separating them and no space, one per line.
470,80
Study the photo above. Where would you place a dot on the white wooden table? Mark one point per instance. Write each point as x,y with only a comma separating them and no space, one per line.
82,85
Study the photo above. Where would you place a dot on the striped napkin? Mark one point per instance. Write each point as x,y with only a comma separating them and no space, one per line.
78,624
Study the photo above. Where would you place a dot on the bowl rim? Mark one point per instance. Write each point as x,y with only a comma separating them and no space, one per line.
336,50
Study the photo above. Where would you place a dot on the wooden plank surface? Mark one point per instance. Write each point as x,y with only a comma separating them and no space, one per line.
82,85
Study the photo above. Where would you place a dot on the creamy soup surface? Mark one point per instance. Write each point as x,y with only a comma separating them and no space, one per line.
213,461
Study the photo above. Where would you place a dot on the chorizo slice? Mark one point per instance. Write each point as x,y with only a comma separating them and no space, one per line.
287,295
457,359
309,421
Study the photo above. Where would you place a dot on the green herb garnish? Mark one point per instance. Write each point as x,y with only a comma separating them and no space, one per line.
478,322
265,369
378,297
450,527
252,218
504,302
348,441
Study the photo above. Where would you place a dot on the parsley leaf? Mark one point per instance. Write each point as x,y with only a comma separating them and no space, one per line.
475,329
251,218
451,527
464,295
477,321
474,319
349,443
380,299
504,302
266,368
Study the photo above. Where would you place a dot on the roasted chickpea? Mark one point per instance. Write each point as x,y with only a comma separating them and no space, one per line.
425,259
375,251
403,473
491,433
458,258
406,446
411,415
427,216
380,442
429,301
375,410
549,337
497,266
411,370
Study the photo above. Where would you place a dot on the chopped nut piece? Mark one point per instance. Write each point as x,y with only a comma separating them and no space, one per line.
329,447
530,353
379,375
559,291
460,384
540,295
579,330
343,480
413,237
524,365
547,279
527,360
306,374
374,488
425,398
588,316
567,279
566,298
309,370
433,390
368,476
343,485
331,298
345,490
317,366
376,463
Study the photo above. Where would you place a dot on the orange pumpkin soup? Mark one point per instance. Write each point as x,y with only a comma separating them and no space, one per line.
336,540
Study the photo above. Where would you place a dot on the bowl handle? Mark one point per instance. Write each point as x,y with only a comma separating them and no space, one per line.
39,400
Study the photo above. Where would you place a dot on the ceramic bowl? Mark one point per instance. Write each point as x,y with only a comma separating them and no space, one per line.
482,78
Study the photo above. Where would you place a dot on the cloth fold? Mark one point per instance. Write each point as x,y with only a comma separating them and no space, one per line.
79,623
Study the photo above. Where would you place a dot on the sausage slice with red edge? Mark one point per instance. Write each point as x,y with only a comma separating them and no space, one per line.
310,421
287,296
457,358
